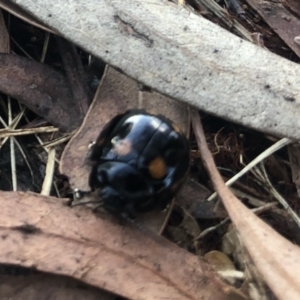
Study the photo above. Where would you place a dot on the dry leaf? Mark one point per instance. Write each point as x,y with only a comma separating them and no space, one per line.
182,229
192,197
117,93
4,37
284,23
219,260
184,56
45,287
253,283
293,5
294,157
42,89
42,233
276,258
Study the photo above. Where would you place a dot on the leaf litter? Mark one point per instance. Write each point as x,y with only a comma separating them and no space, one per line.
115,86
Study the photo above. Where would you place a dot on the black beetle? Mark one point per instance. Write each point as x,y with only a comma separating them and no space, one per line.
140,162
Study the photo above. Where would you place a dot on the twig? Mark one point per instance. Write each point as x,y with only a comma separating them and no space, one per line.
280,144
45,46
7,132
39,139
166,220
47,184
14,124
255,210
276,258
12,150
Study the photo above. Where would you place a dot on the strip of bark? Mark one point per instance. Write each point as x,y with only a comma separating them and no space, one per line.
183,56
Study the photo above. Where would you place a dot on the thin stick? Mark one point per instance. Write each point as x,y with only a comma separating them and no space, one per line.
276,195
12,151
7,132
280,144
47,184
276,258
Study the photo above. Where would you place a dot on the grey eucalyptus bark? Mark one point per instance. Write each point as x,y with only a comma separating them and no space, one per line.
184,56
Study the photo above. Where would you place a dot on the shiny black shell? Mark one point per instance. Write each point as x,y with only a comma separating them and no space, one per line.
140,162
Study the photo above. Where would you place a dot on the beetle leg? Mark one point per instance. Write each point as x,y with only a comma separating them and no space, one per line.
129,211
85,197
78,194
97,206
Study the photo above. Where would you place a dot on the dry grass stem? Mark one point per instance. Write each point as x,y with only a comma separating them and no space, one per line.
16,11
267,185
47,184
277,146
45,47
165,223
221,13
57,141
12,150
276,258
6,132
229,274
257,210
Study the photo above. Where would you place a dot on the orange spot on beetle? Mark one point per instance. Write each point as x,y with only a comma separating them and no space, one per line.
157,168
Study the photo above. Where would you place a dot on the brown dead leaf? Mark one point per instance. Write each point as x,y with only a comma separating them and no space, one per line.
184,232
4,37
45,287
42,233
294,156
284,23
192,197
276,258
117,93
176,111
253,283
293,5
40,88
219,260
114,95
75,74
